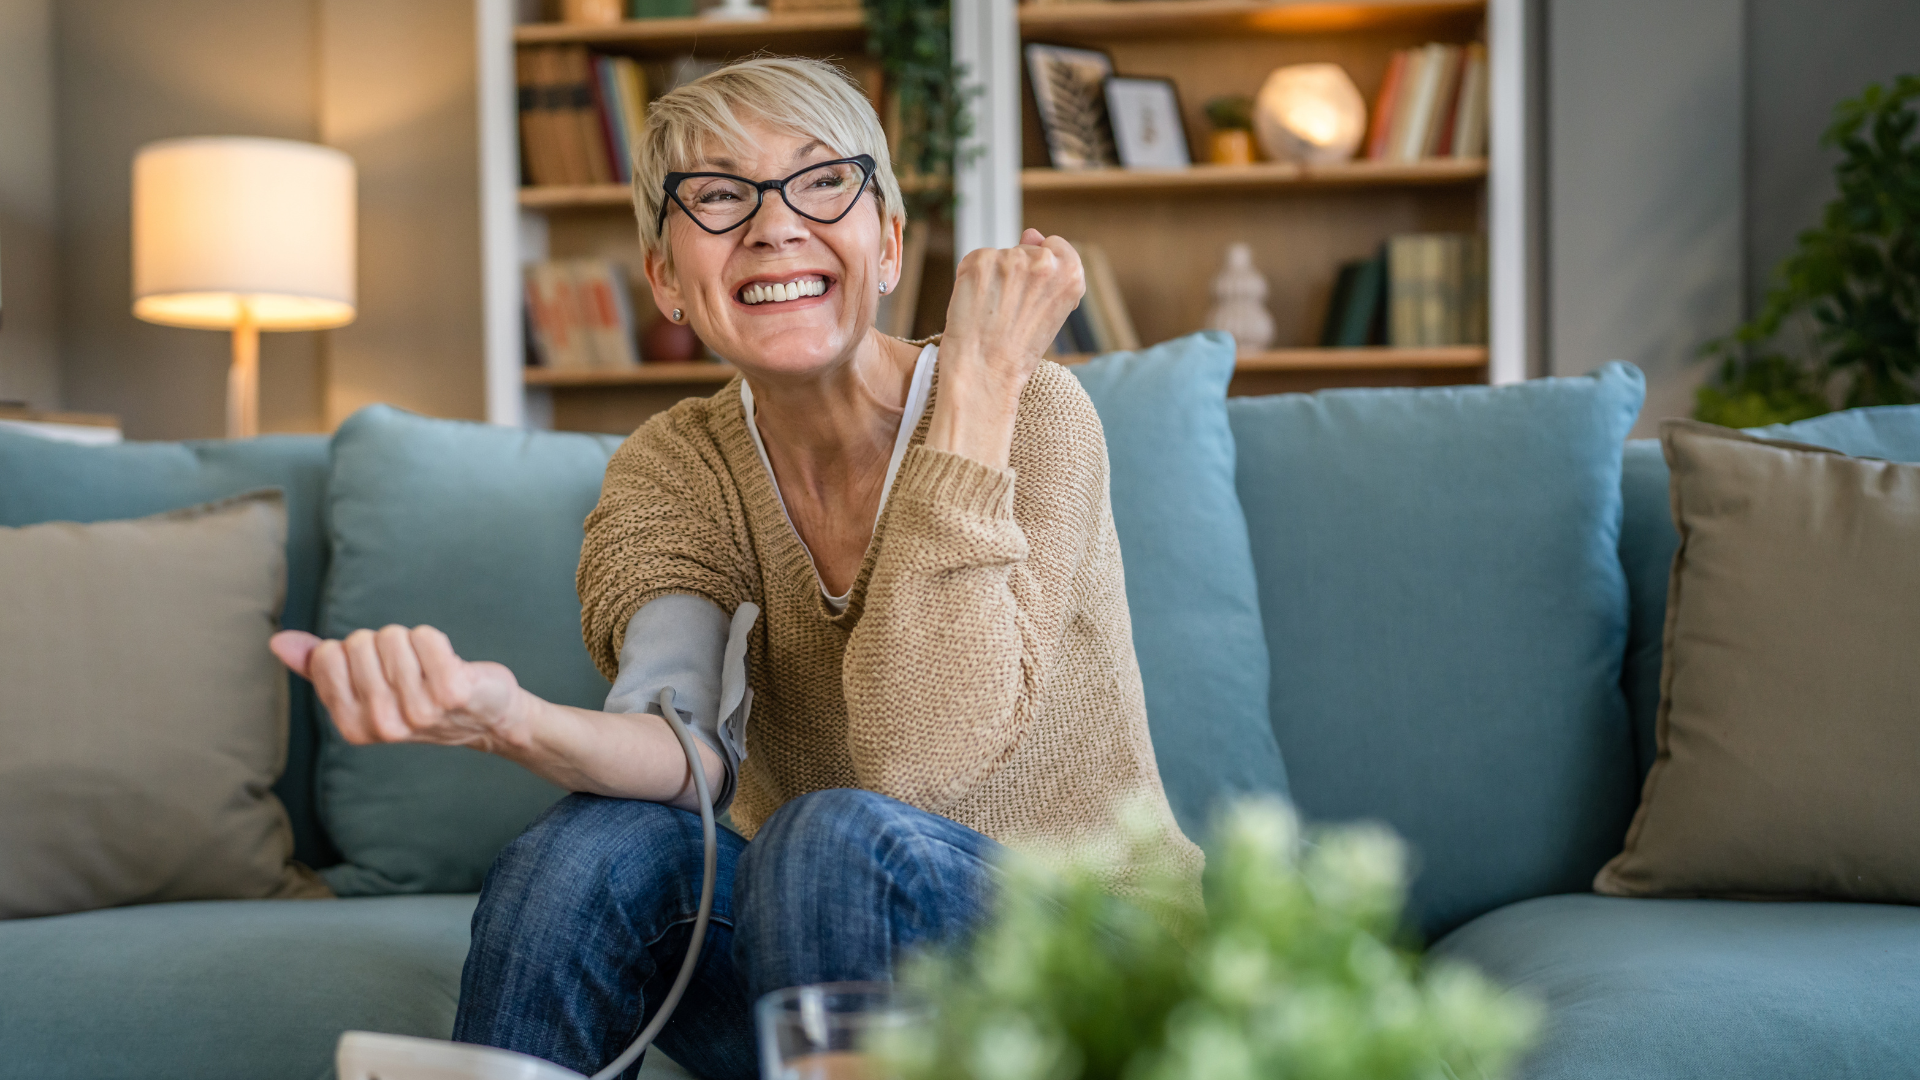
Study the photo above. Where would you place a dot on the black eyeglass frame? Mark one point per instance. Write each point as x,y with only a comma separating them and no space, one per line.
760,189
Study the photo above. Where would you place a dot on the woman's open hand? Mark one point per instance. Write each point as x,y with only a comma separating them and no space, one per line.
404,685
1007,306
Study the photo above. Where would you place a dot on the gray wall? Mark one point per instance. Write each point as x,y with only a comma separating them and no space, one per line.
1802,58
129,72
1683,158
29,209
398,93
85,83
1644,164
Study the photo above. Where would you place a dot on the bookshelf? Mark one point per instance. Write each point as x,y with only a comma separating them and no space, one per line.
1165,231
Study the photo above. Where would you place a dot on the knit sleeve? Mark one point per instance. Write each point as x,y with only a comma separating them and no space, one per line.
971,592
661,526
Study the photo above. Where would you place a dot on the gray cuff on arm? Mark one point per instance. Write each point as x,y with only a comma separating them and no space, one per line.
688,643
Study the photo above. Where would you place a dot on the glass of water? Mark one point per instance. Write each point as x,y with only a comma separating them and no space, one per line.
827,1031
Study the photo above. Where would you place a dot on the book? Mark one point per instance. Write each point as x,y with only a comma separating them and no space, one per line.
556,338
1354,311
1099,331
1113,306
1381,124
606,308
540,157
584,110
1470,110
1446,89
630,90
1436,290
1421,103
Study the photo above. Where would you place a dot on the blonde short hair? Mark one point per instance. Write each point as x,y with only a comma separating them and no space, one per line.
809,98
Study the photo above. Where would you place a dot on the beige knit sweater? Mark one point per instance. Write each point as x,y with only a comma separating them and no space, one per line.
983,669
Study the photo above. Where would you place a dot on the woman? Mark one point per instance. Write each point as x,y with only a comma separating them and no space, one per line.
890,604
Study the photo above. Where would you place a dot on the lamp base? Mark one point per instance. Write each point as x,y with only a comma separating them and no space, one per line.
243,380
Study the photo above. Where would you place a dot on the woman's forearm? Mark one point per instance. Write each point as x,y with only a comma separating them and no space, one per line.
623,755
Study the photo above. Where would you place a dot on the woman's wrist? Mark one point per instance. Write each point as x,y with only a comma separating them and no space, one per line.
978,402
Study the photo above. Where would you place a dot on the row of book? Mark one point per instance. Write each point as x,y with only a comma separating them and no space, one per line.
580,315
1101,324
1419,289
1432,104
580,114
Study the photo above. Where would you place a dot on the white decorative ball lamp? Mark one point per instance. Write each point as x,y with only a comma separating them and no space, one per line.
246,235
1311,114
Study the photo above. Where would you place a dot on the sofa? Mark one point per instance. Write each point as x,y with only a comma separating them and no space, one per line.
1437,608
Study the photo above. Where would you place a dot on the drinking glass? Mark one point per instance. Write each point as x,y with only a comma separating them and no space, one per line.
826,1031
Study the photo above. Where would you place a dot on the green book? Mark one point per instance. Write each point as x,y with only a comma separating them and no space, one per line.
1337,303
660,9
1360,321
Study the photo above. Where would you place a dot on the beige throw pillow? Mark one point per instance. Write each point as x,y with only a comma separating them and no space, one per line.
142,719
1789,727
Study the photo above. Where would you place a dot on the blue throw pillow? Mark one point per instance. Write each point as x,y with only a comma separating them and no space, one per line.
476,530
1647,537
1190,583
1446,613
43,480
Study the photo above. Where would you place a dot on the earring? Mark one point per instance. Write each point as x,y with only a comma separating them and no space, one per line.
676,315
883,286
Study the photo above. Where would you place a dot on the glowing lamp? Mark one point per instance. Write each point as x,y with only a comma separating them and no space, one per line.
1310,113
245,235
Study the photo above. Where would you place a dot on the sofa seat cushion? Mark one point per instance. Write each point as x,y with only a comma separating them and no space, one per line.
246,989
1705,989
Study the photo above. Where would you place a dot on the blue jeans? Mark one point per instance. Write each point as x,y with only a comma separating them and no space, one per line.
584,919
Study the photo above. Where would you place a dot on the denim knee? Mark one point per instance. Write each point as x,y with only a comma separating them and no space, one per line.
588,854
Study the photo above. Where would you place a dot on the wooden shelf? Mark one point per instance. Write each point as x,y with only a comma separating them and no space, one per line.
1367,359
692,374
1160,18
1265,175
812,30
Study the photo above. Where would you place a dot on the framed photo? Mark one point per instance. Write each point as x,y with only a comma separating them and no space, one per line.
1069,87
1147,132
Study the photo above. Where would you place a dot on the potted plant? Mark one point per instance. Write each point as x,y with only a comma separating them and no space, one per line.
1231,142
1842,320
1292,972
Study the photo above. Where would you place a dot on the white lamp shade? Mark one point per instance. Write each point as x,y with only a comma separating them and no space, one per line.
1310,113
226,225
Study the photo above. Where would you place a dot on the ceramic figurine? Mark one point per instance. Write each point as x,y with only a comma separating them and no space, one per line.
1240,301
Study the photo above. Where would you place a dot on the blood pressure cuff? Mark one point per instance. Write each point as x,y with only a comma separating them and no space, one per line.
688,643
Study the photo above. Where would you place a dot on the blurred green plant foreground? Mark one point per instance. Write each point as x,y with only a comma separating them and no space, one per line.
1291,974
1843,316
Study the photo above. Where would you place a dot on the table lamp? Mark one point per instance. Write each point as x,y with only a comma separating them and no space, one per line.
246,235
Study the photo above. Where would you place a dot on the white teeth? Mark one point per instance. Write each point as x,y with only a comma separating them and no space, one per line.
774,292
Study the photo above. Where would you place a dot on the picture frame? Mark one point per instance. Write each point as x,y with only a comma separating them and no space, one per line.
1145,116
1069,88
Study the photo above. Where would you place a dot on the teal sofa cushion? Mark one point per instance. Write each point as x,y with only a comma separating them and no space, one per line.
224,989
1446,612
1647,536
1190,584
476,530
43,480
1709,989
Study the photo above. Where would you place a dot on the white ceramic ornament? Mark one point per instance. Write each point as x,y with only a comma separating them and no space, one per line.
1310,113
1240,301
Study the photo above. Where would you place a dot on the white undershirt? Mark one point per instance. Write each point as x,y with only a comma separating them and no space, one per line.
917,393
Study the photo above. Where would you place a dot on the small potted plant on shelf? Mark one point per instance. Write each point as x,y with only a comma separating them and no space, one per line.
1291,972
1231,142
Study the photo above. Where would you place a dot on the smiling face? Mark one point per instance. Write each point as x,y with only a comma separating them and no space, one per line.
781,294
